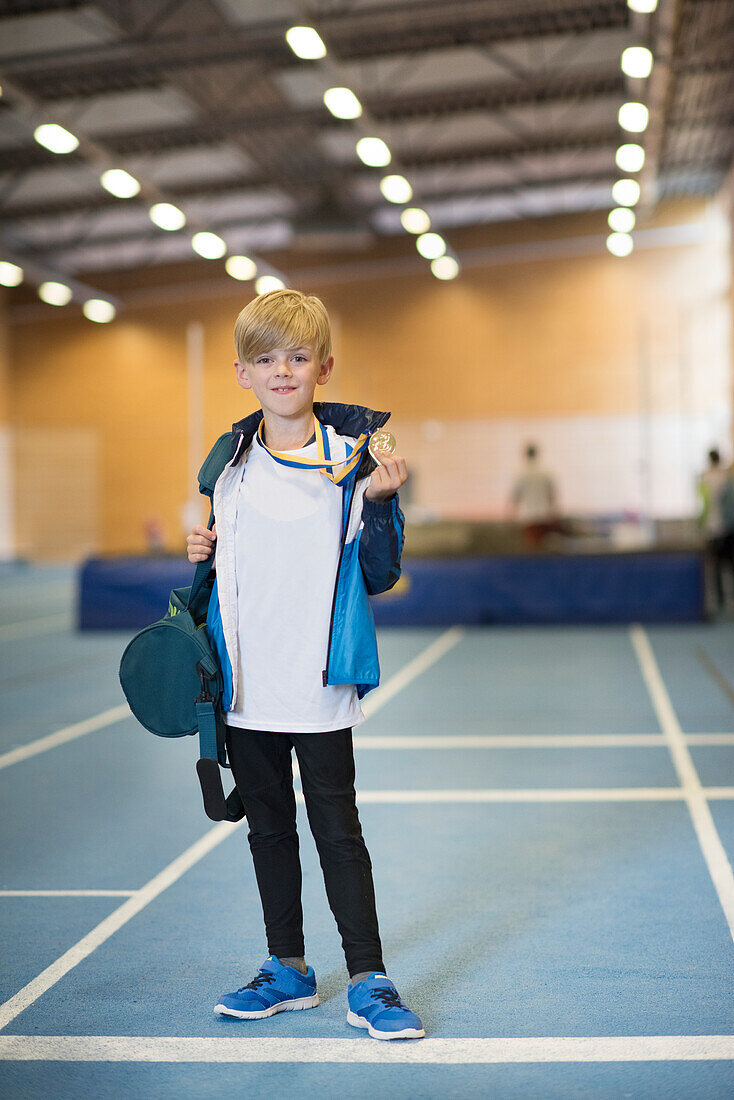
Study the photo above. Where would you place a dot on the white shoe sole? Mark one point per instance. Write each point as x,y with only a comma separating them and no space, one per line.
406,1033
283,1006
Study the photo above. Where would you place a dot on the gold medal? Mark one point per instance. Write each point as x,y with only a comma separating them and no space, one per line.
383,442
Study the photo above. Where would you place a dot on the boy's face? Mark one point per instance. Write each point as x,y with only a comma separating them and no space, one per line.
284,379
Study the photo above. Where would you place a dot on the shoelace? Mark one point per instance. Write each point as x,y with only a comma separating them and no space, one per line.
261,979
389,997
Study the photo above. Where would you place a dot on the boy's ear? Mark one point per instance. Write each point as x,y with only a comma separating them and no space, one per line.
325,372
242,377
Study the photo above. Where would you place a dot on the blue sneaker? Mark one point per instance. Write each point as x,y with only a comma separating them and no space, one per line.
376,1005
276,988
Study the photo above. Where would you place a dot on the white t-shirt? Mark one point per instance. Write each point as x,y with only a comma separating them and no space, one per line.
533,493
287,535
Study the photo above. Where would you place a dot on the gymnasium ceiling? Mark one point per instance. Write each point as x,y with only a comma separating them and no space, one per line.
493,109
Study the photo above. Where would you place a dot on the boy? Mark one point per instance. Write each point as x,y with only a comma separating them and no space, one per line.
306,528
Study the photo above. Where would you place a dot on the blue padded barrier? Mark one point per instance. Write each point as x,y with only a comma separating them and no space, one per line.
599,588
129,593
120,593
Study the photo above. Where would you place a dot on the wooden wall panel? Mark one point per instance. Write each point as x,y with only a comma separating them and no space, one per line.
553,337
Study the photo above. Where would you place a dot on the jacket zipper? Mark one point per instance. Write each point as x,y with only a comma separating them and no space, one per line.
325,672
233,664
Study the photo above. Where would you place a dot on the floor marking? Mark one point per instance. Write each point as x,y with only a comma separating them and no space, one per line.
69,733
703,822
28,627
132,1048
511,741
111,924
67,893
433,653
540,794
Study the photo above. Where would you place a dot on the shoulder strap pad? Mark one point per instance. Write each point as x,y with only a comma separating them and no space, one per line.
214,463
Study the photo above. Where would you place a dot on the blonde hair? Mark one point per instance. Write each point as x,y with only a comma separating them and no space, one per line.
282,319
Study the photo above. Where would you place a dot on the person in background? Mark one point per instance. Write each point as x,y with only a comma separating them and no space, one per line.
533,500
717,525
155,538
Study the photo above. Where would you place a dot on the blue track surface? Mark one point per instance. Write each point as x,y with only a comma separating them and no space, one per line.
590,915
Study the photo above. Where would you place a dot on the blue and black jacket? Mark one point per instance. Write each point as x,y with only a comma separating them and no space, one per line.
369,558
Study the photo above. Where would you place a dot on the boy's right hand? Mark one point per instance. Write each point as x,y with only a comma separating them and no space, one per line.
200,542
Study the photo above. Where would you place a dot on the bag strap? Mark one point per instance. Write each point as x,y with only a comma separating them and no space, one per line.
212,754
203,569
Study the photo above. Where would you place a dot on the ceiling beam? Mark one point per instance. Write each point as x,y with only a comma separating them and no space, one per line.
487,97
355,35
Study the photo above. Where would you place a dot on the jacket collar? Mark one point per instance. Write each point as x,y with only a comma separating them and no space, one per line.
345,419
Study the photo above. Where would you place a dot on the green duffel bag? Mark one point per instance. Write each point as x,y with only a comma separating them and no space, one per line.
172,680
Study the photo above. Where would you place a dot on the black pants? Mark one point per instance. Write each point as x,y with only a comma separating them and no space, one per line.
261,765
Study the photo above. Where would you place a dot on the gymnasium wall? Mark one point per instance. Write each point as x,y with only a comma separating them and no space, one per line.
620,368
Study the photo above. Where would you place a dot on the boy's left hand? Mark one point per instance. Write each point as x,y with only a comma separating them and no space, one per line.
387,478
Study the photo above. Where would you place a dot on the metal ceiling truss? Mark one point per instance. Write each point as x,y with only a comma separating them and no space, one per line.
556,104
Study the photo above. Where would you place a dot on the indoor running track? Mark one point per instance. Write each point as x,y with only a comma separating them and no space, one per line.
550,815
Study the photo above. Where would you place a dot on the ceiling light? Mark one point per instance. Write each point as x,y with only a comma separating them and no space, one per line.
305,43
644,7
120,183
241,267
619,244
445,267
622,219
633,117
396,189
55,138
415,220
636,61
373,152
342,103
56,294
626,192
208,245
630,157
430,245
99,310
167,216
10,274
266,283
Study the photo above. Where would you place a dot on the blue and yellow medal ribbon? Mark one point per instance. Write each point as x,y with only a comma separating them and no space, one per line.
324,464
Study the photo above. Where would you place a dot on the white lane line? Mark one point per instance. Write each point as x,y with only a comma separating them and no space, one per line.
433,653
134,1048
540,794
48,624
510,741
67,893
377,741
111,924
713,850
68,733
